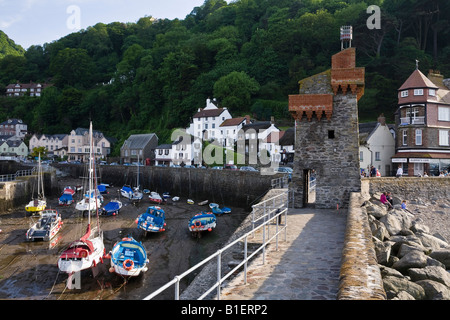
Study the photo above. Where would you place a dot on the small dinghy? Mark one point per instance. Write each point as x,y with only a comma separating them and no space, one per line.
66,199
112,208
128,258
152,220
202,203
204,221
190,201
175,198
132,194
46,228
216,210
155,197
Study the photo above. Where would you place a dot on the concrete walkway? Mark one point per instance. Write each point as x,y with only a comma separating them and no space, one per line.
305,267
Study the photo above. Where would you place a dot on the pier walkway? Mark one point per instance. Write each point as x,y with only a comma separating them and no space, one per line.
305,267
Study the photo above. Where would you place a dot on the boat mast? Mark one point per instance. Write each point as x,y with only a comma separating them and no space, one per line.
90,172
40,190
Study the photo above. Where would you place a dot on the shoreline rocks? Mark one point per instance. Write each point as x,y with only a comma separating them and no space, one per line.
413,262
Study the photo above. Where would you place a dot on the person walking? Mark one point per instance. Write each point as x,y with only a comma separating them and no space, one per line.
399,171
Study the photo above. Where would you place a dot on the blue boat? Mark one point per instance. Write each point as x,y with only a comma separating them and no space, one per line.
65,199
152,220
102,189
216,210
112,208
128,258
204,221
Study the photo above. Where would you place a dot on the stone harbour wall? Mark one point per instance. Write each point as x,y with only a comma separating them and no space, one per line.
360,277
408,187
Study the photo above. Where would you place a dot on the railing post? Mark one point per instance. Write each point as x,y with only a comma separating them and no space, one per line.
245,259
219,259
177,288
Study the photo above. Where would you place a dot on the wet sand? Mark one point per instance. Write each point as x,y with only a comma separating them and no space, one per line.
29,271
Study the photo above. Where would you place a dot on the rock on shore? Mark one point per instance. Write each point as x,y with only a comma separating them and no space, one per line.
413,260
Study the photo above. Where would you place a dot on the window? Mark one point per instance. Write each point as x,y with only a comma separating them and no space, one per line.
432,92
418,92
404,93
443,137
377,156
443,113
330,134
418,137
404,137
361,156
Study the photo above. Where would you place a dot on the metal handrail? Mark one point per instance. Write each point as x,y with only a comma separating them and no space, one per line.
268,218
20,173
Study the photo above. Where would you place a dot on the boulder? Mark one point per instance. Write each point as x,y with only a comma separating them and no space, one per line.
382,251
375,210
442,255
434,273
403,295
434,290
413,259
396,221
396,285
431,242
405,248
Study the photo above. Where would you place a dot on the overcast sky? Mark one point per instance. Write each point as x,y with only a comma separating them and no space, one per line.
35,22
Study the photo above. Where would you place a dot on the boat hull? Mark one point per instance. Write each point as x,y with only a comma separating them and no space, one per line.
45,229
72,265
128,258
202,222
153,220
36,206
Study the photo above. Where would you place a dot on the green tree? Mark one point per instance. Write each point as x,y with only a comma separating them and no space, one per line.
235,91
73,67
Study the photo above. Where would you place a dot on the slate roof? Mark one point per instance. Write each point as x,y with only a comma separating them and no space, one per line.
138,141
209,113
417,80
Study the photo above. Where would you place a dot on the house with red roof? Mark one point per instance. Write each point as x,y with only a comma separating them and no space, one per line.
423,125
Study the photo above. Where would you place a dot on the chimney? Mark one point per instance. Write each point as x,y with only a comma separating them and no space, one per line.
382,119
247,119
272,120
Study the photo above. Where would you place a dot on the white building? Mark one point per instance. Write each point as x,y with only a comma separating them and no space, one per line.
376,146
50,142
206,122
229,130
163,155
78,145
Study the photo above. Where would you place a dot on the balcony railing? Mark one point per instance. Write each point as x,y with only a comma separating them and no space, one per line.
415,120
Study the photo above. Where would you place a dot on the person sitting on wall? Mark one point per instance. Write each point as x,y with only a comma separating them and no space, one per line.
384,201
373,171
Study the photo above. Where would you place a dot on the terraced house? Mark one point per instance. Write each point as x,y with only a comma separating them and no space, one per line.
423,124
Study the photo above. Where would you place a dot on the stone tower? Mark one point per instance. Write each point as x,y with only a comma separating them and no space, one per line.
327,142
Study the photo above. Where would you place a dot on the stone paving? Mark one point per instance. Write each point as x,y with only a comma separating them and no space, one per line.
305,267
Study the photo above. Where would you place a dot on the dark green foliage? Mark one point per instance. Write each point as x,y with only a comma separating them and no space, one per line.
153,75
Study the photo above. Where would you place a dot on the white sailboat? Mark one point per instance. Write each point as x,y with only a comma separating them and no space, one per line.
36,205
133,194
89,250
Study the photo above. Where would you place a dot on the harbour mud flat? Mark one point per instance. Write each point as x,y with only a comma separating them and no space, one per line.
29,271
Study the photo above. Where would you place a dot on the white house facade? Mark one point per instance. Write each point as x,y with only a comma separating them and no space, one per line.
377,146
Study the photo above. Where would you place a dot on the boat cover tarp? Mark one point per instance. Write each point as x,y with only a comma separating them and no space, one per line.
65,198
111,206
